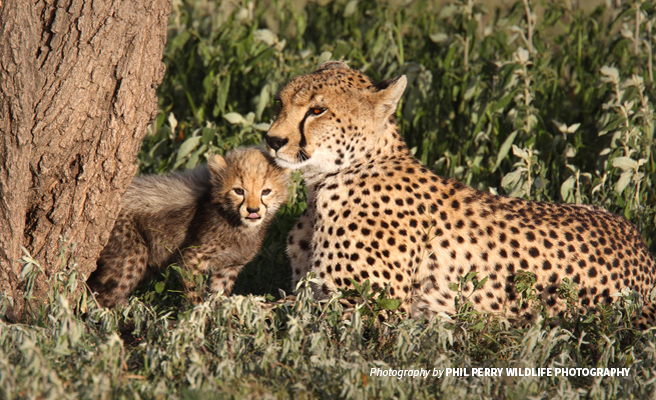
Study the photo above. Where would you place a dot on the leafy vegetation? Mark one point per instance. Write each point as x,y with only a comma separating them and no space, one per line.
241,347
540,100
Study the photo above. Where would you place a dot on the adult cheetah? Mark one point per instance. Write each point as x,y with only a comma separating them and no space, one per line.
374,212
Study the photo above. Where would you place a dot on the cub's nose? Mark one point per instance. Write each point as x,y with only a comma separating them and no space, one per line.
275,142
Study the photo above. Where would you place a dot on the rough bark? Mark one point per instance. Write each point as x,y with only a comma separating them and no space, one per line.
77,90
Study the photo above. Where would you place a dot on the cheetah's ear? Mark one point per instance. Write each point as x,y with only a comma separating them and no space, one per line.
216,163
388,95
332,65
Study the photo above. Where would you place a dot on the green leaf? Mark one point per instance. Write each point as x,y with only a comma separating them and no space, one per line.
187,147
341,50
262,126
159,287
207,135
234,118
222,96
503,102
266,36
351,8
504,149
470,275
389,304
614,123
263,101
625,163
192,162
481,283
478,326
512,179
622,183
472,89
566,188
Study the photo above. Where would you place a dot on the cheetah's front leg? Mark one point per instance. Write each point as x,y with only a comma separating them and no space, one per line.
299,246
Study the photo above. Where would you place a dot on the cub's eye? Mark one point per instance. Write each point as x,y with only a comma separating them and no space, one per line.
316,111
266,192
238,191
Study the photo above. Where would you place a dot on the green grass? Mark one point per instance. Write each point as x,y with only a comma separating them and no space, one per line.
557,109
240,347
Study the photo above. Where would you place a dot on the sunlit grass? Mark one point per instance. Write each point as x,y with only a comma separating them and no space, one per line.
241,347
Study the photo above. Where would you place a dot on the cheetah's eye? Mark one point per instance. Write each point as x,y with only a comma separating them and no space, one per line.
238,191
316,111
266,192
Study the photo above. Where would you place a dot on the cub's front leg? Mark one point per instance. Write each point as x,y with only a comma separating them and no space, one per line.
220,267
224,277
195,260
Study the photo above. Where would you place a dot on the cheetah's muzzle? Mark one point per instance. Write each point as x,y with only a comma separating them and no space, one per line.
275,142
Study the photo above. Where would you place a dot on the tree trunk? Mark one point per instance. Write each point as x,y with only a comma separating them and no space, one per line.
77,90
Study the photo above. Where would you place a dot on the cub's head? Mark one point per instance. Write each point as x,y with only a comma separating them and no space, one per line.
331,118
248,184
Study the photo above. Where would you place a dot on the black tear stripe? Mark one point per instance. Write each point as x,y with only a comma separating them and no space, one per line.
301,128
302,154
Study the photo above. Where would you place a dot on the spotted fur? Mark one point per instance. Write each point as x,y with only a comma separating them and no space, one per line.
209,220
374,212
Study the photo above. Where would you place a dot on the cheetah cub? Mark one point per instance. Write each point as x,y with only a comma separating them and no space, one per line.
374,212
209,220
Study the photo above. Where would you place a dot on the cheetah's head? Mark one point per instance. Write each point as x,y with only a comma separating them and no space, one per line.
248,185
331,118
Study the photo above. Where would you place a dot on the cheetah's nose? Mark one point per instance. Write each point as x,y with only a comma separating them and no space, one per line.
253,213
275,142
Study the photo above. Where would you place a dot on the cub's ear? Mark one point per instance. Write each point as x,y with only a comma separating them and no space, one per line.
388,95
216,163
